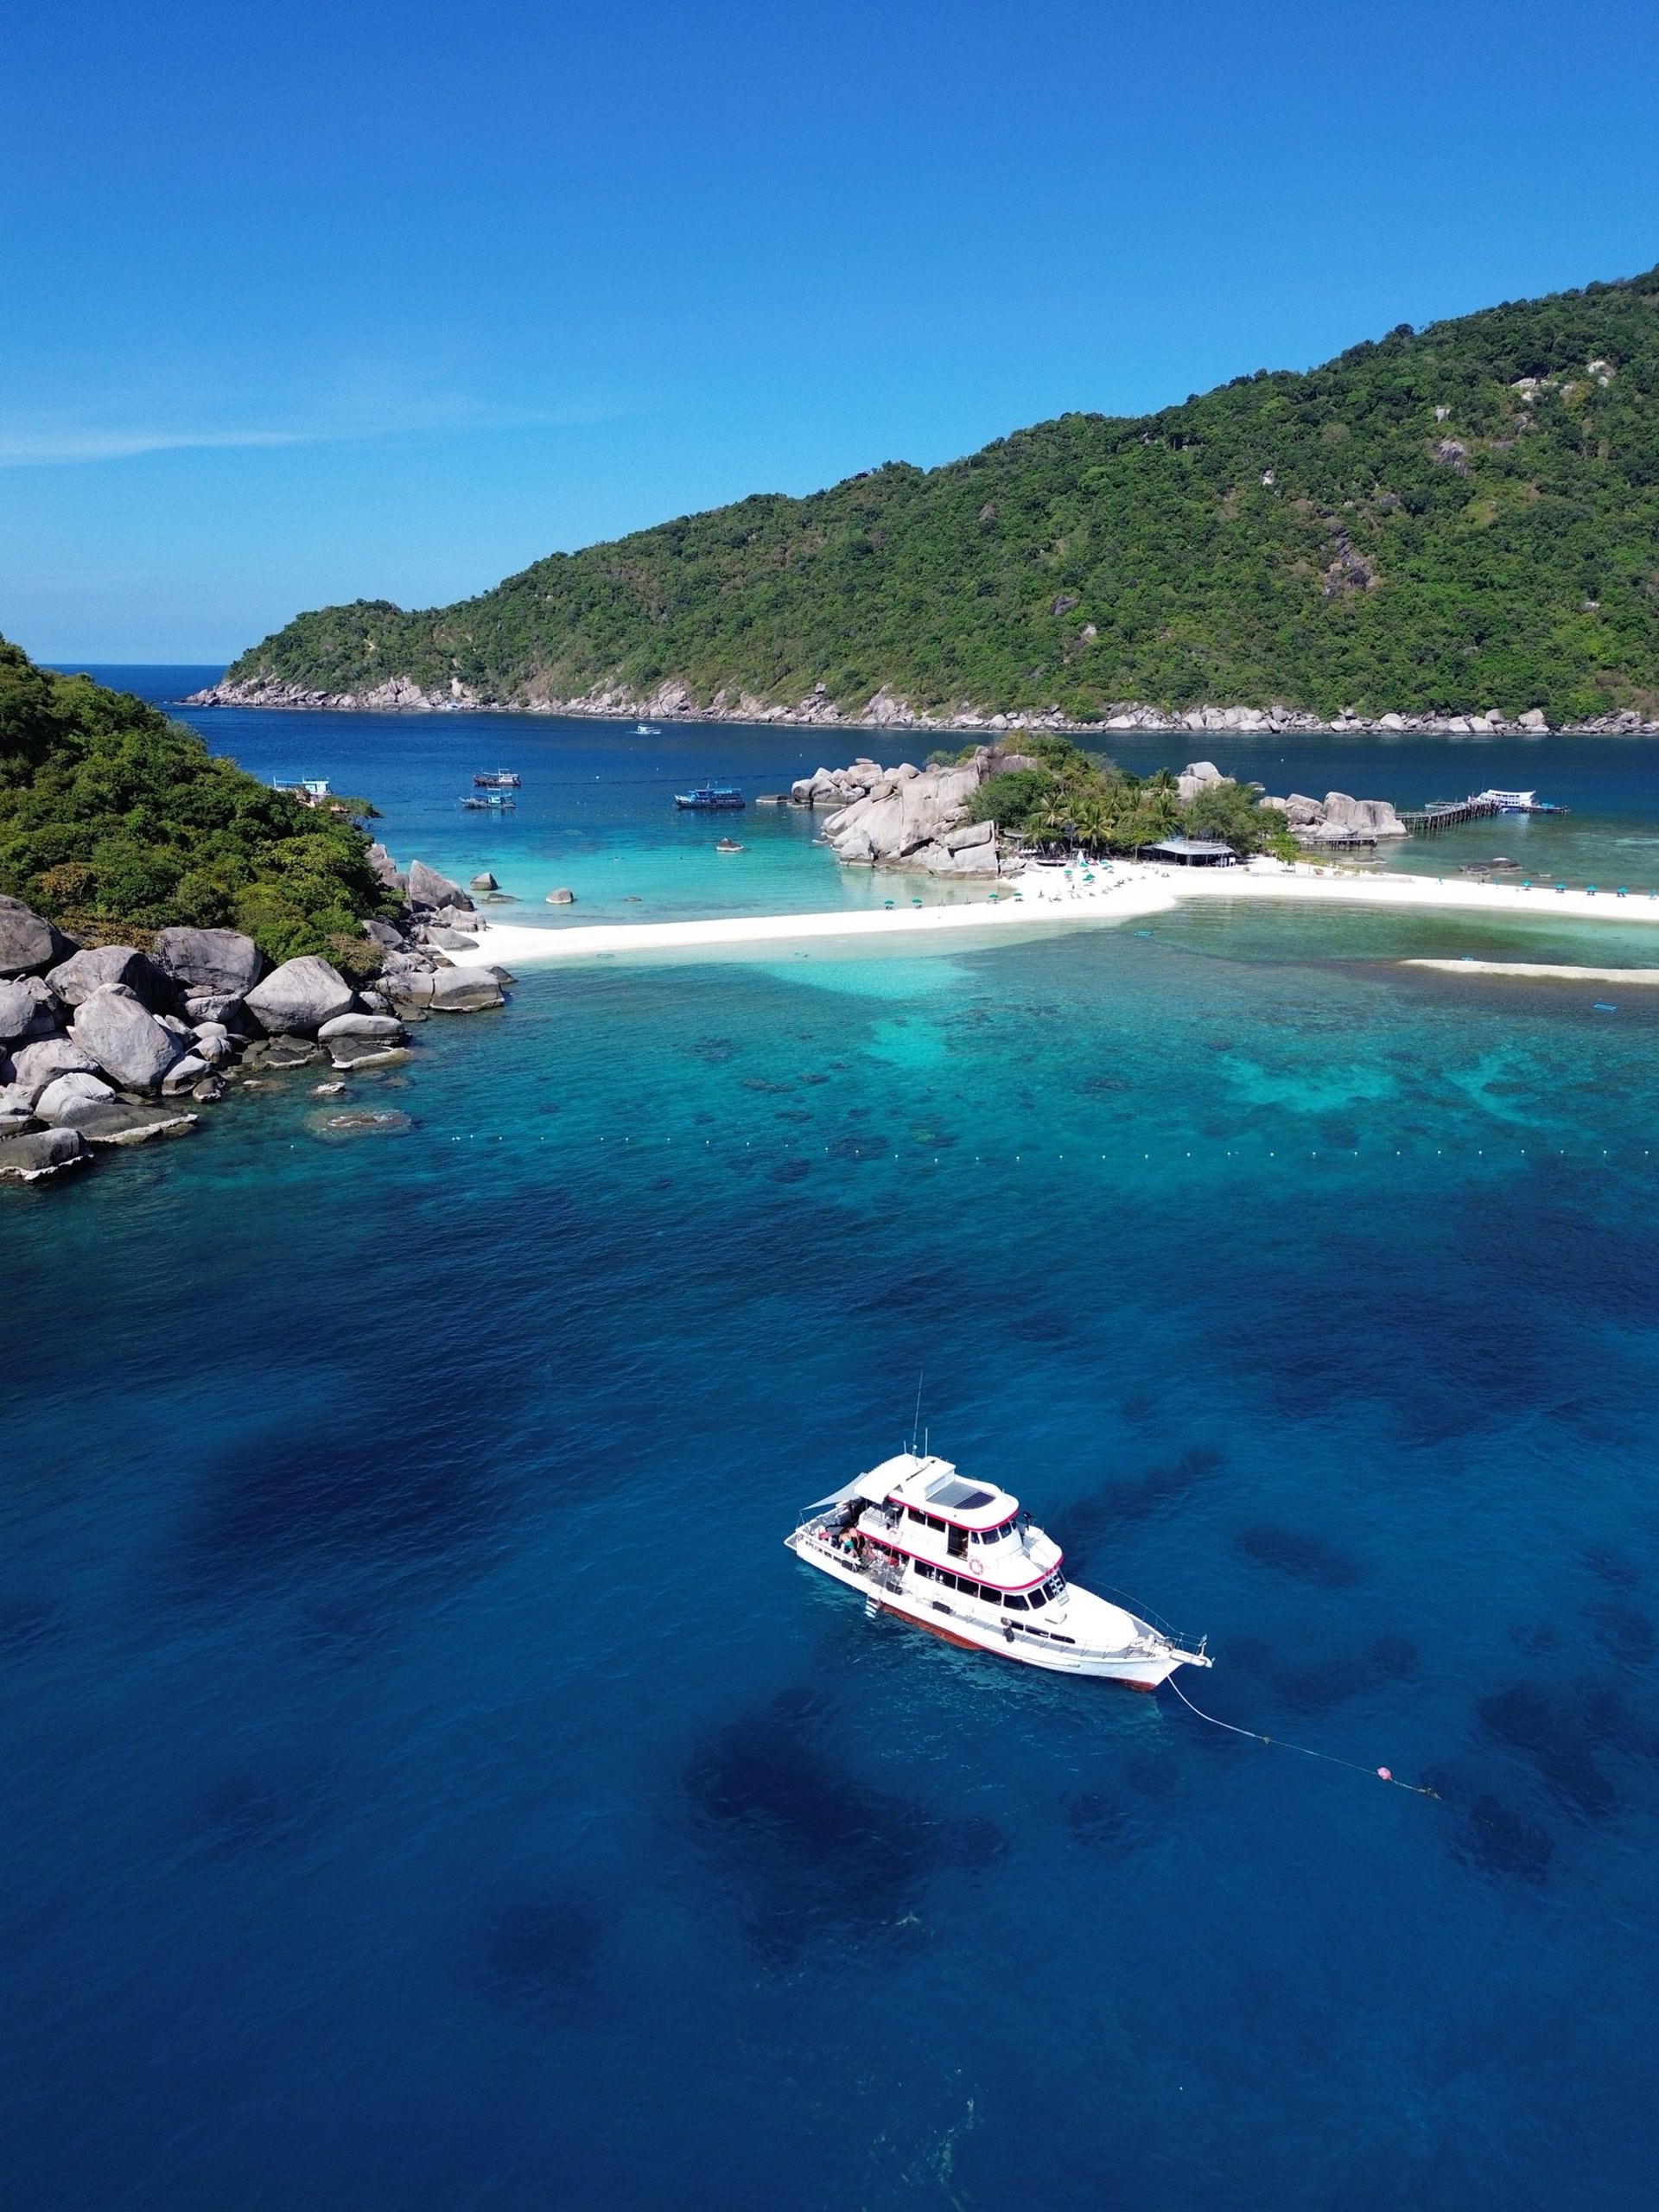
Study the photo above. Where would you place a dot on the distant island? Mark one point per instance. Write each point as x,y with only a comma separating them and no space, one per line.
1453,523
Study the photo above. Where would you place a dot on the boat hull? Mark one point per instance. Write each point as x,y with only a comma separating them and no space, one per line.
1001,1640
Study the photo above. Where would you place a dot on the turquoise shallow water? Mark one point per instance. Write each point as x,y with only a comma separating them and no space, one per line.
432,1783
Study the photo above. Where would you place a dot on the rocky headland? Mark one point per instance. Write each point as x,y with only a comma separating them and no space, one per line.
117,1044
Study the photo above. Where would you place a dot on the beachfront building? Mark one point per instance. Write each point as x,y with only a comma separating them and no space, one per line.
1194,852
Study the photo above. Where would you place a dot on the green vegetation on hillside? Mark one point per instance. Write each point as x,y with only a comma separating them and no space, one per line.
116,821
1071,798
1446,520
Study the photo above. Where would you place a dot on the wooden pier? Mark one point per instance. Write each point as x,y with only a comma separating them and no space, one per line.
1445,813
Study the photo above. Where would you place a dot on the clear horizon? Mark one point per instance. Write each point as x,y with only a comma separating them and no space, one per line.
397,315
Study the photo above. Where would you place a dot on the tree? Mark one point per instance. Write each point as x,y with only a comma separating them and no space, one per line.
1229,810
116,822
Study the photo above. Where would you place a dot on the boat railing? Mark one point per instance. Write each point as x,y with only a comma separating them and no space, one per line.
821,1531
870,1566
1136,1611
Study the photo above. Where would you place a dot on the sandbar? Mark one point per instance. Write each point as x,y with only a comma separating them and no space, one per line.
1045,898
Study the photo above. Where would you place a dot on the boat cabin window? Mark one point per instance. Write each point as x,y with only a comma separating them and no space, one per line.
1039,1599
915,1513
934,1522
1014,1599
991,1596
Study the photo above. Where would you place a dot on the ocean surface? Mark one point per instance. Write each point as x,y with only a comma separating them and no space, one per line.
432,1783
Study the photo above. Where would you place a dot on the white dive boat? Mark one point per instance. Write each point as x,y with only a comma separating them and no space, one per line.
962,1560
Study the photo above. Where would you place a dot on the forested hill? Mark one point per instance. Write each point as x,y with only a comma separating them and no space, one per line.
116,822
1443,521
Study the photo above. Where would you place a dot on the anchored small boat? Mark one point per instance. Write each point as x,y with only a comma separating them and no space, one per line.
710,798
960,1560
497,779
646,730
728,845
491,802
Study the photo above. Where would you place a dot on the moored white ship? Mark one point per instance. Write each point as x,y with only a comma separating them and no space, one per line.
960,1560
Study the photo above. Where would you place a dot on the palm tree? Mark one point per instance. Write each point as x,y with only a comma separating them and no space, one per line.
1054,815
1093,821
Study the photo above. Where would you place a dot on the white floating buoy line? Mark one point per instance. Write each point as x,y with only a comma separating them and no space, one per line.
1226,1152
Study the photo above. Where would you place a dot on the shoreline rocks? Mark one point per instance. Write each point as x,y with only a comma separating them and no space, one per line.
107,1045
218,963
909,818
28,1007
124,1037
28,943
673,700
300,995
1338,820
37,1154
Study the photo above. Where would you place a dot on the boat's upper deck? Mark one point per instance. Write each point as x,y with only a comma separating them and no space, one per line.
920,1507
934,1486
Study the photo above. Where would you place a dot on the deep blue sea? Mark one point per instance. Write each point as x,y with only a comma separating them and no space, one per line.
431,1782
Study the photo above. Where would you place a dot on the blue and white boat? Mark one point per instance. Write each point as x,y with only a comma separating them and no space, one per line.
711,799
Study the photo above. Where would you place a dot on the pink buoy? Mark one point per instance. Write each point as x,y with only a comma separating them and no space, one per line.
1384,1773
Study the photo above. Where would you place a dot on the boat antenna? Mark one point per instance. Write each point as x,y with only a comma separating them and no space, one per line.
916,1425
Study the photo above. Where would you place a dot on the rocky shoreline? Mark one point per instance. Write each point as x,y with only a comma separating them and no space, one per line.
674,701
911,818
115,1045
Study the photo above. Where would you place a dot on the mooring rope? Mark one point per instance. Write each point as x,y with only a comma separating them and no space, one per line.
1377,1773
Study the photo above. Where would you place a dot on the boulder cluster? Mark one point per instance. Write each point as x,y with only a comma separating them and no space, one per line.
110,1045
1336,819
909,818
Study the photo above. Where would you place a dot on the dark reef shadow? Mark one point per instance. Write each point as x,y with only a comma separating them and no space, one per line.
1163,1489
539,1955
813,1853
1303,1557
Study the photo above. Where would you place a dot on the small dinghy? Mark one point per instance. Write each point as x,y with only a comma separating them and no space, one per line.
960,1560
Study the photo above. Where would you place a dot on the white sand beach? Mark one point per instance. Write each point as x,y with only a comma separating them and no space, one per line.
1047,898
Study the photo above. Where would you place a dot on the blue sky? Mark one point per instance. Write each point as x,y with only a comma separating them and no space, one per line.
310,302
